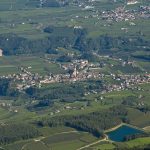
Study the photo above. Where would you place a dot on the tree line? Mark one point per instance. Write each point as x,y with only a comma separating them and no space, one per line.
94,123
134,136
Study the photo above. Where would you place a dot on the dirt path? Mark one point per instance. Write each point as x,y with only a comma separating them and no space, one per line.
121,124
41,138
146,128
67,132
114,128
86,146
24,146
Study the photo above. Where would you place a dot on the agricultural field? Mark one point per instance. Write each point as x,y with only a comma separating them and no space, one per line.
62,141
67,139
34,64
131,144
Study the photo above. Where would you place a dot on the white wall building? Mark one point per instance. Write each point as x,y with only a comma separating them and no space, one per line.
131,2
1,52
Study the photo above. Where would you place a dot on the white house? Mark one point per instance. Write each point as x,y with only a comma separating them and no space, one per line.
131,2
1,52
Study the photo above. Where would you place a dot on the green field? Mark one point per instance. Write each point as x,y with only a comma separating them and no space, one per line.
58,141
139,142
34,64
105,146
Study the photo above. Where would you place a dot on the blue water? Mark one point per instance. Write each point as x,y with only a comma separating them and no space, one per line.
119,134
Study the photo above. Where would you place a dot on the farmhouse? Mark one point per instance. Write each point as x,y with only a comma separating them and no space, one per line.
131,2
1,52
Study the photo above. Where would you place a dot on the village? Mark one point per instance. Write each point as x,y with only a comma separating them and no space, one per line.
80,70
121,13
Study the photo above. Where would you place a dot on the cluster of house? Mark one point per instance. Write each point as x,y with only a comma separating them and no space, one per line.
3,104
119,14
78,63
76,71
27,79
144,12
127,82
122,14
8,106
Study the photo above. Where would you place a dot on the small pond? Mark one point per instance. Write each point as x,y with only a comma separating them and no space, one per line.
119,134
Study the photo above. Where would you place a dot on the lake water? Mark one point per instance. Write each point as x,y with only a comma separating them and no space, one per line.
119,134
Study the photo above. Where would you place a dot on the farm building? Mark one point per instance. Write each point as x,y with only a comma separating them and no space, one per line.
130,2
1,52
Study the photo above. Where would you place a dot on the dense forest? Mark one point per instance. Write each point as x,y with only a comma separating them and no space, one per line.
13,132
7,89
67,92
71,38
70,92
94,122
